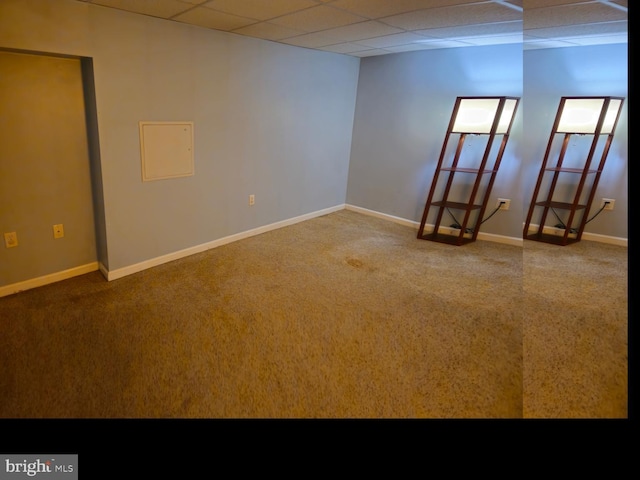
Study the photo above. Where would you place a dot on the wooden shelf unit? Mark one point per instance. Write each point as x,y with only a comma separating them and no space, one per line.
449,171
583,180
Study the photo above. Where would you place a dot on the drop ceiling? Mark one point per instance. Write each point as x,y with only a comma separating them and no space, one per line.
364,28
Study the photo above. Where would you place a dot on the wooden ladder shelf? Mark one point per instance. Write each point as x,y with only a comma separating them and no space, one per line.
477,176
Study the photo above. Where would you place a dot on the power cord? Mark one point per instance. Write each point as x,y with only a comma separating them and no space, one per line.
470,230
604,205
457,224
573,230
561,224
494,212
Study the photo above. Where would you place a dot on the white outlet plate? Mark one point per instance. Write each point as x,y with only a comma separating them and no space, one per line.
505,205
252,199
610,205
58,231
11,239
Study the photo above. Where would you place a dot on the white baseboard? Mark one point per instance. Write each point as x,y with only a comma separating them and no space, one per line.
490,237
104,271
47,279
594,237
138,267
384,216
154,262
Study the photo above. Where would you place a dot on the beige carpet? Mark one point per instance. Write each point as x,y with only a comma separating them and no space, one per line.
575,330
342,316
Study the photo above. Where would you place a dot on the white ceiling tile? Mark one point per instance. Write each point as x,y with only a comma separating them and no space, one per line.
154,8
591,29
493,39
317,18
361,31
259,9
514,27
311,40
370,53
383,8
535,45
440,43
598,39
268,31
531,4
343,48
383,26
205,17
544,44
411,47
576,14
451,16
391,40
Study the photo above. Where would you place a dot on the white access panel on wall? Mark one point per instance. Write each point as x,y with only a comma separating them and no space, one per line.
166,150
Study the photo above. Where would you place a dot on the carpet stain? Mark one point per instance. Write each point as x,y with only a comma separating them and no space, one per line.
354,262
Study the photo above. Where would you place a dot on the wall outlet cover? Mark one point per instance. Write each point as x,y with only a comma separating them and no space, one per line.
58,231
11,239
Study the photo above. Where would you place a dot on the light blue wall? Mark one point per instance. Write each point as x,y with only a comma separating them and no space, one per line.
403,107
550,74
283,123
269,119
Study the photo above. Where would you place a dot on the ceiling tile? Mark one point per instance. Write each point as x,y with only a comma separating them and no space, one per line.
450,16
370,53
473,30
352,26
311,40
343,48
383,8
493,39
534,45
439,43
567,31
391,40
576,14
154,8
317,18
268,31
412,47
205,17
530,4
599,39
361,31
259,9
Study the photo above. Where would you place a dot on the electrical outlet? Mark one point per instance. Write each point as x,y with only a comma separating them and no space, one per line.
252,199
609,205
58,231
503,203
11,239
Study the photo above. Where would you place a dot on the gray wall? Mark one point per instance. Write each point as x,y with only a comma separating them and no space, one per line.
403,108
44,167
577,71
270,120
